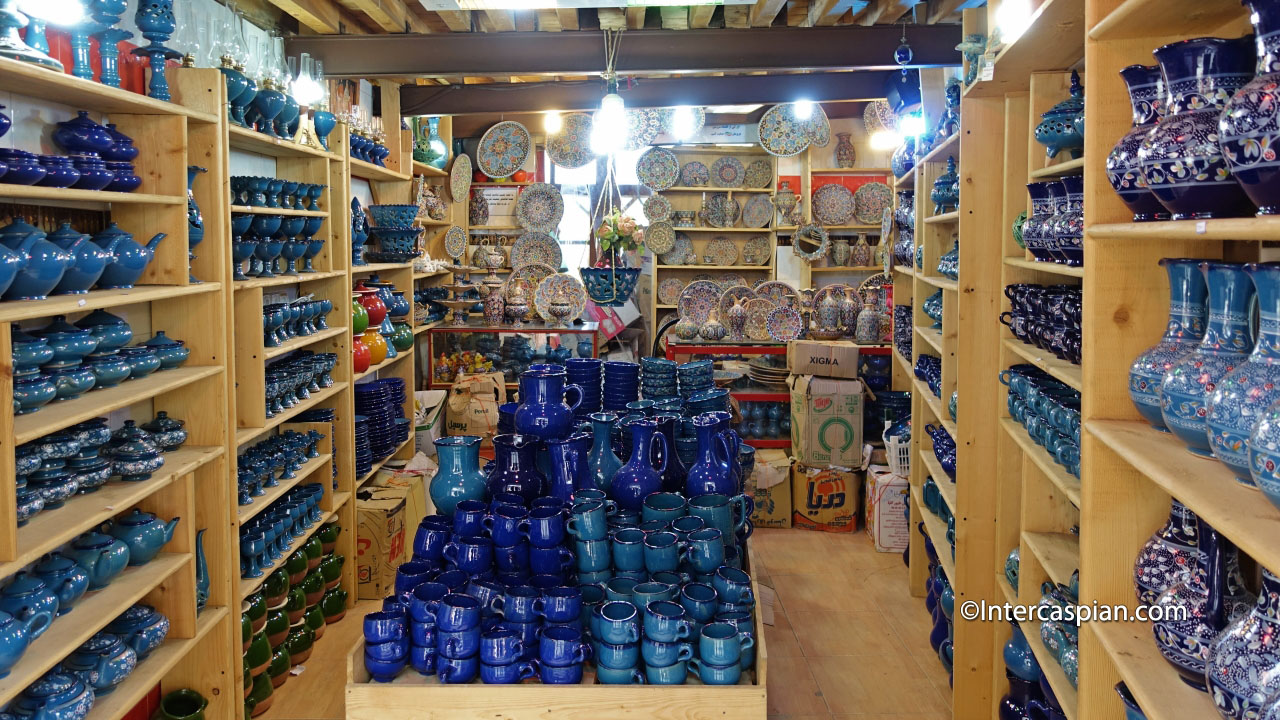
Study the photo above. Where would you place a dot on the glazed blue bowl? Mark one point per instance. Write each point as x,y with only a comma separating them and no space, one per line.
383,671
392,215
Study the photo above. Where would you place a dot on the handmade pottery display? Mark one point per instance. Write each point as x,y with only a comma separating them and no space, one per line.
1187,295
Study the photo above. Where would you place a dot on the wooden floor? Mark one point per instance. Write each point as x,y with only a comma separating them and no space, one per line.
848,641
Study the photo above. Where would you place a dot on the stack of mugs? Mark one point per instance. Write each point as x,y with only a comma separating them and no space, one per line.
621,384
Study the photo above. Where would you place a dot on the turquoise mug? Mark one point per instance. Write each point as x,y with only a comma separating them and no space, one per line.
628,549
616,623
620,590
706,550
589,520
665,621
687,525
665,653
716,674
670,675
592,555
619,676
699,601
598,577
671,578
664,506
662,552
727,514
733,586
618,657
721,644
647,592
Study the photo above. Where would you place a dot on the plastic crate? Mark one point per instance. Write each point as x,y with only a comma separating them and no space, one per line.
898,451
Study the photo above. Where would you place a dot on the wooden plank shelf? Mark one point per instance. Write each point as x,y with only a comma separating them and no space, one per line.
907,181
376,173
708,189
249,140
380,267
1067,695
253,210
937,532
758,231
1065,481
1010,595
302,341
384,365
934,403
1046,267
1062,169
1053,40
249,586
851,171
424,275
1158,688
759,268
948,148
1060,369
855,269
906,364
428,222
946,486
58,415
279,280
17,310
360,481
427,326
944,218
339,499
931,336
271,494
21,78
1253,228
244,435
421,168
903,270
938,282
1153,18
37,194
1058,553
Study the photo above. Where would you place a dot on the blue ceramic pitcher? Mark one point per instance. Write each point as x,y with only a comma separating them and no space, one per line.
459,477
515,467
543,412
640,477
569,468
710,472
602,461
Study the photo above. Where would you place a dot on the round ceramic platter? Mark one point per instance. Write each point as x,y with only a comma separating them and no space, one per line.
540,207
536,247
669,291
722,210
660,237
658,168
552,284
778,293
758,310
728,280
503,149
757,211
721,251
730,294
657,209
819,127
886,225
699,119
759,174
643,126
571,147
878,115
697,301
455,242
755,251
727,172
694,174
833,204
784,324
839,291
781,133
681,254
870,202
874,282
705,276
460,177
530,274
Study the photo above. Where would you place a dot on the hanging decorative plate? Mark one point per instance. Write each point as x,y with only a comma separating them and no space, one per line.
819,127
455,242
536,247
759,174
658,168
681,254
550,286
503,149
531,274
727,172
660,237
814,235
833,204
657,209
870,202
669,116
781,133
784,324
758,211
875,282
730,280
540,207
758,310
886,225
460,177
755,251
571,147
722,210
669,291
706,277
721,251
732,293
643,126
697,300
694,174
778,293
878,116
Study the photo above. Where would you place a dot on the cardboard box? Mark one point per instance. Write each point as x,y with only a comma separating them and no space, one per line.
395,475
834,359
826,421
428,419
771,488
825,499
380,540
886,504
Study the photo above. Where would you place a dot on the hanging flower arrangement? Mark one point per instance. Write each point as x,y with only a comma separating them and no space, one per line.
619,233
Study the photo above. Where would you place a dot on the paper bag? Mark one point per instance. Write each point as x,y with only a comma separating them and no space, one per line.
473,405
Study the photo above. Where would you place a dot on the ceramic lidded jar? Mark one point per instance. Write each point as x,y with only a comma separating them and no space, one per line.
1057,128
1182,161
1187,293
1148,95
946,189
1249,127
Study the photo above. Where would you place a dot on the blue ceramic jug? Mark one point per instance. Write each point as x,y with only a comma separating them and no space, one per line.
202,572
515,467
88,260
1018,657
674,478
640,478
569,467
458,477
602,461
710,473
543,412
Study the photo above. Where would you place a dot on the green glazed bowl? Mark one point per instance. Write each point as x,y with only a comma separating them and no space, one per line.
278,670
328,535
314,551
261,695
334,605
275,586
296,566
258,654
296,605
277,627
256,609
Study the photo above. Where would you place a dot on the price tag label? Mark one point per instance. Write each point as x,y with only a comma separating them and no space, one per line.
1200,227
988,70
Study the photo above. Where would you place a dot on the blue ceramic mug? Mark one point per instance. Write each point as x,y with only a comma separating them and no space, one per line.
561,604
706,550
458,644
422,658
468,518
433,532
621,656
554,503
664,653
423,601
472,555
390,651
671,578
687,525
716,674
665,621
505,498
588,520
560,675
561,646
722,644
506,674
528,633
520,604
454,579
619,676
616,623
554,560
546,527
621,589
597,577
381,627
508,524
664,506
456,670
500,647
628,549
592,555
594,494
670,675
456,612
422,634
485,591
513,559
647,592
699,601
733,586
661,552
410,574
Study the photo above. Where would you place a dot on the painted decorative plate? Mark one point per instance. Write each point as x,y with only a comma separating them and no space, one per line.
757,211
540,207
706,277
731,294
727,172
657,209
530,274
658,168
886,225
553,284
571,147
460,177
759,174
536,247
660,237
819,127
870,202
729,280
455,242
878,115
694,174
778,293
781,133
755,251
758,310
722,210
784,324
721,251
697,300
503,149
833,204
681,254
643,126
669,291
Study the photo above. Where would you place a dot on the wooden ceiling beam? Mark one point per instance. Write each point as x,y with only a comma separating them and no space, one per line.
635,18
797,12
568,18
886,12
525,21
737,16
674,18
700,16
611,18
500,20
549,20
456,20
764,11
938,9
390,15
825,13
322,16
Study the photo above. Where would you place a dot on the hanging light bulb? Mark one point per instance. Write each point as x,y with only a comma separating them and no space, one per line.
683,122
803,109
609,126
551,122
305,88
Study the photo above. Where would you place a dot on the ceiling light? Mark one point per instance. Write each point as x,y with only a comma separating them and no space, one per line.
551,122
911,125
1013,18
803,109
733,109
683,121
885,140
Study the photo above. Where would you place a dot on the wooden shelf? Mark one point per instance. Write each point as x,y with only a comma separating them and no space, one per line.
253,141
1045,267
426,326
760,268
949,147
424,275
1002,582
1154,18
384,365
1067,696
37,194
938,282
57,415
244,435
1251,228
503,184
302,341
708,189
904,363
909,272
93,612
934,403
17,310
851,171
271,494
286,279
376,173
1062,169
339,499
20,78
907,181
380,267
931,336
1058,475
421,168
1058,553
1062,370
937,532
428,222
360,481
249,586
1157,687
863,268
757,231
252,210
944,218
946,486
1053,40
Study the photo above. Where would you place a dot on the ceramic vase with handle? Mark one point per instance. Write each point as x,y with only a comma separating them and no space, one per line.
458,477
602,462
640,478
1240,668
1247,130
1147,95
1187,294
515,467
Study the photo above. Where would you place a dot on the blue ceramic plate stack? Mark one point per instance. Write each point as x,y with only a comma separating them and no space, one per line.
364,456
658,381
707,401
695,377
373,400
621,384
585,373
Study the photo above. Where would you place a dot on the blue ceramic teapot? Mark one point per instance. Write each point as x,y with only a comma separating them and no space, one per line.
102,662
16,635
66,579
87,260
102,556
112,332
131,258
56,696
142,628
11,263
82,135
45,262
144,533
26,596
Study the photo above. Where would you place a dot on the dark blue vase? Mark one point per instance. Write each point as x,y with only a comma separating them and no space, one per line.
1147,95
1200,605
1242,659
710,472
515,467
1247,130
674,477
602,461
543,412
569,469
1013,706
195,222
1187,292
640,478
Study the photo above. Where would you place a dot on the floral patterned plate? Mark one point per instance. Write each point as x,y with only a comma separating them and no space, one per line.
778,293
694,174
660,237
730,294
758,310
781,133
759,174
669,291
530,275
697,300
722,210
870,201
705,276
681,254
728,280
657,209
460,177
536,247
755,251
721,251
571,147
833,204
643,126
658,168
455,242
819,127
784,324
503,149
540,207
553,284
699,120
757,212
727,172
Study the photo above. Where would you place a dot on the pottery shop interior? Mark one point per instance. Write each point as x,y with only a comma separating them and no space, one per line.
505,359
